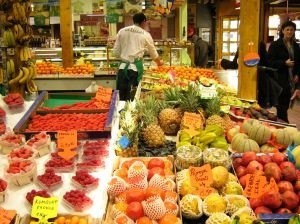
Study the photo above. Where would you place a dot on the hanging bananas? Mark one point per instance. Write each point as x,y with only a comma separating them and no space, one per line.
25,53
8,38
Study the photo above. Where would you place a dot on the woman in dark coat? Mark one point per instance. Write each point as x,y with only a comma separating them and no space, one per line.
284,55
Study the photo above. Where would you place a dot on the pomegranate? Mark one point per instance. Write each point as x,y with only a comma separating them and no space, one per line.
237,162
272,200
248,157
283,211
290,199
242,180
297,186
264,159
298,174
240,171
284,186
272,170
288,171
254,166
278,157
262,210
255,202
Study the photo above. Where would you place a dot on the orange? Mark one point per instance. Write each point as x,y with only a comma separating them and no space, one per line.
75,219
144,220
168,219
135,194
60,220
171,207
122,172
171,195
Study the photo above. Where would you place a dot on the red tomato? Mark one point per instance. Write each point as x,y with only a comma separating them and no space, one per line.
135,210
155,170
156,162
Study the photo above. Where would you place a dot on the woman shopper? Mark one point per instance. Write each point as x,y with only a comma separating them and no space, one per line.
130,46
284,55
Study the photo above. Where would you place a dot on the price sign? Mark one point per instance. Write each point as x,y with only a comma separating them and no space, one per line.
201,176
6,216
192,120
67,140
44,208
272,186
208,92
255,185
203,192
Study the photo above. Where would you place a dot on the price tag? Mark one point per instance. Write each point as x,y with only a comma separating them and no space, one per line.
201,176
6,216
272,186
172,75
255,185
203,192
67,140
192,120
208,92
44,208
124,142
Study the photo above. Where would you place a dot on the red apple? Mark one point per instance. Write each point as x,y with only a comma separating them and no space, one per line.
264,159
290,199
254,166
248,157
288,171
283,211
278,158
255,202
240,171
272,200
262,210
284,186
272,170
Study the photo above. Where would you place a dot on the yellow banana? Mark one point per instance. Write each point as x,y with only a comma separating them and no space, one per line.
17,78
25,76
1,75
12,66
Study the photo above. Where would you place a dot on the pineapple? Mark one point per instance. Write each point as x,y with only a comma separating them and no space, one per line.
189,101
169,120
129,129
152,133
214,114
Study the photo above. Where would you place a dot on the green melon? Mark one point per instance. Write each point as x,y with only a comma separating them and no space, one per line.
266,148
241,143
247,124
260,133
283,137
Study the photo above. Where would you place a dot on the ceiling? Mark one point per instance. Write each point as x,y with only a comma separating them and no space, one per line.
284,3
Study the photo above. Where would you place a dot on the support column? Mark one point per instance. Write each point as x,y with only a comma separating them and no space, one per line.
249,32
66,25
181,22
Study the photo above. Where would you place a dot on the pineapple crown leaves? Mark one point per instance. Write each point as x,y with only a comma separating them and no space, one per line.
212,106
189,100
172,94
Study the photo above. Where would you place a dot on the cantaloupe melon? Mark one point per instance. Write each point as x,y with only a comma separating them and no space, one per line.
260,133
283,137
241,143
247,125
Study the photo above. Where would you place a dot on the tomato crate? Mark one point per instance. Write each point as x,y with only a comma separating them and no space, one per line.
90,124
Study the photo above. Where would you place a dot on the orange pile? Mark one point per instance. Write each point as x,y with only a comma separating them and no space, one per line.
47,67
185,72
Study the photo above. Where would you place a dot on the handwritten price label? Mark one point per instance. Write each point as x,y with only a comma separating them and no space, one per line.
67,140
201,176
255,185
6,216
272,186
192,120
44,208
208,92
203,192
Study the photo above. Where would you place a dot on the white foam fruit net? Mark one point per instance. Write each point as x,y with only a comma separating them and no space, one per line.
137,168
116,186
235,202
138,182
191,206
183,174
217,218
171,207
158,181
154,207
246,210
214,203
123,219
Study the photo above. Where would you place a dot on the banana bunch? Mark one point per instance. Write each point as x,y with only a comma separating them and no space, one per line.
1,75
4,22
10,67
18,12
18,31
25,77
8,38
295,219
25,53
27,8
211,136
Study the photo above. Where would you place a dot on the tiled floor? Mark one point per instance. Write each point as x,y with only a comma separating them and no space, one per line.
294,115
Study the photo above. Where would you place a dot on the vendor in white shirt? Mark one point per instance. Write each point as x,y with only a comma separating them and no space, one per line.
131,44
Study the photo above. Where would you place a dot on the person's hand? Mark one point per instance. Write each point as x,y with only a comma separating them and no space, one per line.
296,94
219,63
289,63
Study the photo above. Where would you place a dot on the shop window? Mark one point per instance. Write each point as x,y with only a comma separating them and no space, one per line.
229,37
